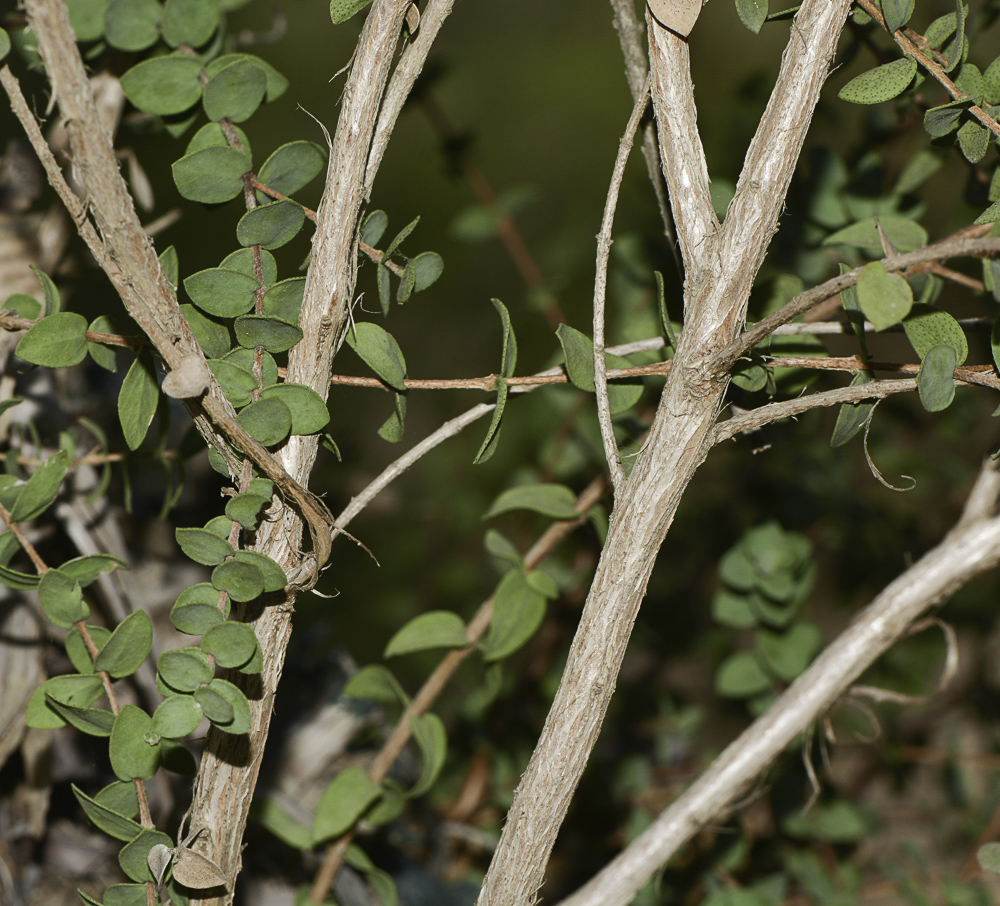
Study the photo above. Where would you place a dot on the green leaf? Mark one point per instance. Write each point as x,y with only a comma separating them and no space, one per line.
61,599
990,215
284,300
665,323
137,400
271,225
741,676
134,858
268,421
92,721
436,629
400,236
427,268
292,167
375,683
508,359
882,83
272,334
133,757
927,326
489,444
389,807
216,708
988,856
553,500
732,609
23,305
132,25
991,82
852,416
231,643
342,10
384,288
211,176
104,356
203,546
119,796
789,653
235,91
5,42
896,13
430,736
373,227
392,428
236,383
750,376
41,489
936,380
939,121
53,304
190,22
221,291
177,716
87,19
921,167
518,611
128,646
578,350
212,336
246,509
105,819
77,690
752,13
76,648
164,85
56,341
406,283
884,298
956,52
308,409
276,82
274,576
242,581
344,801
837,822
211,136
237,701
380,352
270,815
906,235
973,139
197,609
184,669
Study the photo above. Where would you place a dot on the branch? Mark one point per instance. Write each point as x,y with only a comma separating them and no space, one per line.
969,549
952,248
601,288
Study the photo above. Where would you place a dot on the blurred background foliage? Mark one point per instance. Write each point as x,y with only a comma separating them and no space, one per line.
536,100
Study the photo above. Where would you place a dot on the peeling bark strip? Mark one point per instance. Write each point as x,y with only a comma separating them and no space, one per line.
721,262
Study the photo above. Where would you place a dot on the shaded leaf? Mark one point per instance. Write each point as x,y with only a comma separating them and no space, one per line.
271,334
936,380
553,500
752,13
268,421
292,166
271,225
176,716
231,643
203,546
234,91
927,326
164,85
132,755
223,292
128,647
884,298
379,351
189,21
344,801
436,629
375,683
184,669
132,25
238,704
741,676
212,175
113,824
852,416
430,736
242,582
518,611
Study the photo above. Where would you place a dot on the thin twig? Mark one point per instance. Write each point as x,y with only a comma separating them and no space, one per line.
601,290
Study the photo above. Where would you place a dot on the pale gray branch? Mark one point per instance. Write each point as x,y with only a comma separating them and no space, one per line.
969,549
601,288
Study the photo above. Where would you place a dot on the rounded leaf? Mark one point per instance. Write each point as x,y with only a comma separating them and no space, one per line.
58,341
221,291
230,643
246,509
212,336
87,19
309,412
268,421
988,856
237,384
271,334
242,581
177,716
134,860
284,300
211,136
427,268
927,326
61,599
437,629
235,91
343,802
189,21
237,701
379,351
132,755
741,676
132,24
184,669
203,546
882,83
77,650
128,647
211,176
164,85
274,576
884,298
553,500
271,225
244,358
216,708
936,380
429,733
292,166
